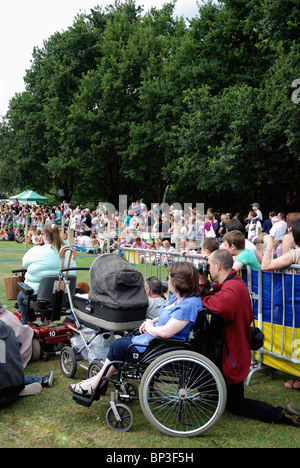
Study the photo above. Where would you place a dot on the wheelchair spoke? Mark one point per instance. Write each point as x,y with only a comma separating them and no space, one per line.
182,395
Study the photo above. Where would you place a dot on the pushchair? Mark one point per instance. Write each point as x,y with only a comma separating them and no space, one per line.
115,305
182,393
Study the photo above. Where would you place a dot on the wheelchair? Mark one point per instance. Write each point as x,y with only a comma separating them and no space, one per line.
181,392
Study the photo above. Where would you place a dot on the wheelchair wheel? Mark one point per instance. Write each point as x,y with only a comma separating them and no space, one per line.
182,394
68,361
123,422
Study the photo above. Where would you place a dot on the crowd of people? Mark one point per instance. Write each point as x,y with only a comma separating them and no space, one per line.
139,227
226,243
267,242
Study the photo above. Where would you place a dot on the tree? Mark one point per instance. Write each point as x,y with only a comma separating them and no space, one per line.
146,104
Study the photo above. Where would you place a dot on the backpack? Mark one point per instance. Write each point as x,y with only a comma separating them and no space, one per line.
11,368
206,336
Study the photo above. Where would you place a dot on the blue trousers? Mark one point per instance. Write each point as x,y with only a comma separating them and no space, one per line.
118,349
28,379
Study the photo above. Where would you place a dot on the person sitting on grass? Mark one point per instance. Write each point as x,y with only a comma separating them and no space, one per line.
24,335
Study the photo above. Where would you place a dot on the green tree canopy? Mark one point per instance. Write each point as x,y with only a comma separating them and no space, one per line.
143,103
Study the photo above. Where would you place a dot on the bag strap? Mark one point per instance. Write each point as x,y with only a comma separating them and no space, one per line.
231,276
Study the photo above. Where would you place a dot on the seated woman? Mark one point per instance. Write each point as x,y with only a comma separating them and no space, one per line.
174,321
41,261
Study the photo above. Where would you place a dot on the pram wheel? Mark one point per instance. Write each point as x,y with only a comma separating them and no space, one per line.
94,368
182,394
119,418
68,362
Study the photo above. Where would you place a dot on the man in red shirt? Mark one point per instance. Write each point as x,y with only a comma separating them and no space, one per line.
230,300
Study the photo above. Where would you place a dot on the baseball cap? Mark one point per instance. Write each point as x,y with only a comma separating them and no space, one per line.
255,204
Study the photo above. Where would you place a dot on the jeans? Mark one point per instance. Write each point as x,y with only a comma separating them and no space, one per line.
29,379
22,308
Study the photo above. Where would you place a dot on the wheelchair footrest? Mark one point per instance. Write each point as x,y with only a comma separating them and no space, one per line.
83,401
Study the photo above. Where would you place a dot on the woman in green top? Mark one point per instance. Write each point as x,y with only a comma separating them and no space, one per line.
40,261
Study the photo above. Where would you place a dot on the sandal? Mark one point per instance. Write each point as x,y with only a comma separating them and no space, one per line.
291,384
80,391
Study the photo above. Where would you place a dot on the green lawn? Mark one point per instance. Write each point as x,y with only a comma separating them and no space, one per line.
52,419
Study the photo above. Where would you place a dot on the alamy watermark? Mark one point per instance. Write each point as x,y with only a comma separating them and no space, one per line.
296,93
163,208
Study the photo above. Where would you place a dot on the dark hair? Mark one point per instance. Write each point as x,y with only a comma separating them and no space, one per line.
295,227
154,284
223,257
235,225
185,278
53,235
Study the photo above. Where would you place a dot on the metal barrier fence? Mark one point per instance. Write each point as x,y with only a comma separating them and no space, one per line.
275,300
276,304
154,261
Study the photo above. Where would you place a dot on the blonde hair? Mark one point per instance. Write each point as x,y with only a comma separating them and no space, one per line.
260,242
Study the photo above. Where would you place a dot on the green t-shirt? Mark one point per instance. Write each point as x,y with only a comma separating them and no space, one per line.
248,257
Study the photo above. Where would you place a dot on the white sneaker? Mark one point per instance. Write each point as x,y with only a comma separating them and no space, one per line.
31,389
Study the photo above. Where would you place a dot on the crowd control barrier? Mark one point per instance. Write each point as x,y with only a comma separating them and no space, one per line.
276,305
275,298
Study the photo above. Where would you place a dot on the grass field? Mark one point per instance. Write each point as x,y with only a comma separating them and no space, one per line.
51,419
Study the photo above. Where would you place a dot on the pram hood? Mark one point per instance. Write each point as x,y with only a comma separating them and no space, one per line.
115,283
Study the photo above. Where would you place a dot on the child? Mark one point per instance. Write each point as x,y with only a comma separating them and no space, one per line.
209,245
38,238
234,242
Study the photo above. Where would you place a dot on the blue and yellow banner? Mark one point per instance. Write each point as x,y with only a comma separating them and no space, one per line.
280,300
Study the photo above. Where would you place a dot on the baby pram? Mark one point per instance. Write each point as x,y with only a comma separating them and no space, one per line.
116,304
